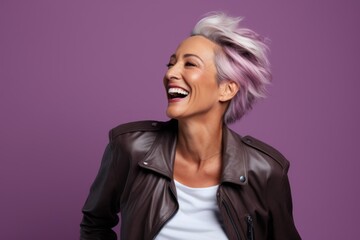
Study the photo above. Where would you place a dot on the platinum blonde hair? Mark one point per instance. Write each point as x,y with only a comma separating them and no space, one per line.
242,59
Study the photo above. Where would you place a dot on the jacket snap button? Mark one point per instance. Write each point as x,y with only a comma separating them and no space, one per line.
242,179
145,163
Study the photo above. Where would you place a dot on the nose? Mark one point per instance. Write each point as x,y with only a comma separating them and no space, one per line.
173,72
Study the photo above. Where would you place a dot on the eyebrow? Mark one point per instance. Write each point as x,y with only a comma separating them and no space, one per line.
187,55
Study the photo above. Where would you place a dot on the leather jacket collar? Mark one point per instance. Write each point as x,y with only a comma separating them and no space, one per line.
160,157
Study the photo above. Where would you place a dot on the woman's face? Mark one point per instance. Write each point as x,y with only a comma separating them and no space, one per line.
190,81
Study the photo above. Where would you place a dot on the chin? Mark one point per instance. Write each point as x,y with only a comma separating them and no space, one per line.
173,113
170,114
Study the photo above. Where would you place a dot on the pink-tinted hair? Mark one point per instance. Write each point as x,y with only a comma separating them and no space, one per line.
242,58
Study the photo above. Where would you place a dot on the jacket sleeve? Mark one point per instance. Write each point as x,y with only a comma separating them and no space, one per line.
282,222
100,212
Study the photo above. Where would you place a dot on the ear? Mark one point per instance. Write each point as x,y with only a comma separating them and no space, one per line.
228,90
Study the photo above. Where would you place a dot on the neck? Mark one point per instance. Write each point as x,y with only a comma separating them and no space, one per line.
199,141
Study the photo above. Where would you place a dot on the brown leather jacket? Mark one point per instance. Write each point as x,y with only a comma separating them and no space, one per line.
136,179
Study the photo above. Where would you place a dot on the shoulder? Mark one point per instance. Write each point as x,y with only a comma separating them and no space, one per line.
267,150
138,126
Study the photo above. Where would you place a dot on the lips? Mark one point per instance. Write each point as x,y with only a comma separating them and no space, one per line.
176,92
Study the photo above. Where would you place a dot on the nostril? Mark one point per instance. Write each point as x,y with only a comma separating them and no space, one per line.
172,75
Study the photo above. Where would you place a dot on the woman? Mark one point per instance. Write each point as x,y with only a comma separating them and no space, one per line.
192,177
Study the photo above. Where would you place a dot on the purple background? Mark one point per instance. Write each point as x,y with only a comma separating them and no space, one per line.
71,70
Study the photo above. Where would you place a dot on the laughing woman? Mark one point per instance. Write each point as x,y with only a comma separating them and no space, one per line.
192,177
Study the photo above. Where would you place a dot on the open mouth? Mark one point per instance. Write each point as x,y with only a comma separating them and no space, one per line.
177,93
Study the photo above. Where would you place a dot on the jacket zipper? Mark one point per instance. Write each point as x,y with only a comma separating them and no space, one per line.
230,216
231,220
250,228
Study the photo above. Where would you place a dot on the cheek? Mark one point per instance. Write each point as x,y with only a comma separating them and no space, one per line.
194,77
201,79
208,81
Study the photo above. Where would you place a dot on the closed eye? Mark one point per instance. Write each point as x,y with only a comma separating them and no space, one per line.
190,64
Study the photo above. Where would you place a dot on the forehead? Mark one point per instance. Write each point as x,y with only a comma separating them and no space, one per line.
197,45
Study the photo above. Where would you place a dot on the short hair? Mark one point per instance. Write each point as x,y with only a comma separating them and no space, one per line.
242,59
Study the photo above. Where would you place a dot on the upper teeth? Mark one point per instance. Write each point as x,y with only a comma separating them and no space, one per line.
178,91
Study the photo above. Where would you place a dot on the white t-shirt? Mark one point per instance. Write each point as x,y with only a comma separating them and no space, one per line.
198,216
